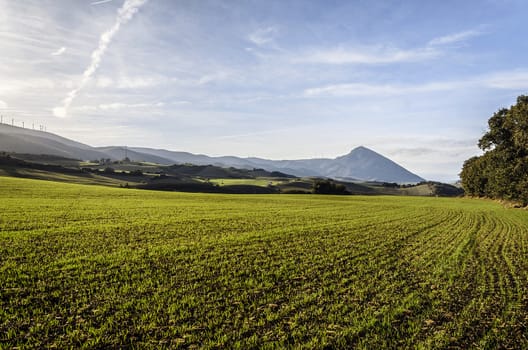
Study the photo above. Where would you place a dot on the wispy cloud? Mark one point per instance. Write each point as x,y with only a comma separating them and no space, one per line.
13,86
381,54
154,80
124,14
213,77
362,89
504,80
510,80
118,106
59,51
132,82
368,55
100,2
455,38
251,135
264,36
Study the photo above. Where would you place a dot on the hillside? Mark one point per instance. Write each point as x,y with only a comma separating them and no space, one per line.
361,164
118,153
20,140
27,141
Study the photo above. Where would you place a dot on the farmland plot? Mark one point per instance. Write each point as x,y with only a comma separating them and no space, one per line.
88,266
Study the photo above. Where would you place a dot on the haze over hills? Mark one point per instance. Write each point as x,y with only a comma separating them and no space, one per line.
20,140
361,164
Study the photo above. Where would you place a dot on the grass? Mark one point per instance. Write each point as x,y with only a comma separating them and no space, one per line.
255,182
76,178
99,267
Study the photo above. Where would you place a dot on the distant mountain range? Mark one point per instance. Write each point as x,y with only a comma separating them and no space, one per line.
361,164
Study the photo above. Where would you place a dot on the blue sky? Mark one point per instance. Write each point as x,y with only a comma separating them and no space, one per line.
413,80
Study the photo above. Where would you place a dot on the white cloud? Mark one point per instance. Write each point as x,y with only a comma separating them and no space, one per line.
208,78
3,105
118,106
59,51
511,80
104,82
124,14
13,86
383,54
367,55
455,38
139,82
131,82
361,89
263,36
100,2
60,112
358,89
431,156
506,80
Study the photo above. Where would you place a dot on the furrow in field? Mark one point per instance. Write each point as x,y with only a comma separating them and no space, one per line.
490,285
130,269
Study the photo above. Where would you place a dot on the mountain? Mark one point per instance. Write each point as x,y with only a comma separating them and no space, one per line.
361,164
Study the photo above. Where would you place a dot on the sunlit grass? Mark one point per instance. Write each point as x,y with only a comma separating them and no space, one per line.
254,182
89,266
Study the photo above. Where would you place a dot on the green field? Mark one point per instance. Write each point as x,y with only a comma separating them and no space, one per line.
101,267
255,182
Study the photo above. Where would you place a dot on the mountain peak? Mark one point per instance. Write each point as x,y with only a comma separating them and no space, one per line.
361,149
361,163
360,152
366,164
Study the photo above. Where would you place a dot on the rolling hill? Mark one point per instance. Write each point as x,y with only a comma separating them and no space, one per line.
361,164
20,140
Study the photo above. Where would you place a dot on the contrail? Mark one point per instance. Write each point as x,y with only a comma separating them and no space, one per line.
59,51
124,14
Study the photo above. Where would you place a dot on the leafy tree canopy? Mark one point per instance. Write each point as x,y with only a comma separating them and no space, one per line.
502,171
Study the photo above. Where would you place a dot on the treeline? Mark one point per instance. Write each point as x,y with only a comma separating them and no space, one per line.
502,171
328,187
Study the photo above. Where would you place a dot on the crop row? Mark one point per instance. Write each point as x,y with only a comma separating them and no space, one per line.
100,267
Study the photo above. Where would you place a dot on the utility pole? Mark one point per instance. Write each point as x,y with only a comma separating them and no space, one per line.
12,121
23,127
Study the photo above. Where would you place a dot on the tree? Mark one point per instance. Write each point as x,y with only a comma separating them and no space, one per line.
473,179
328,187
502,171
136,172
